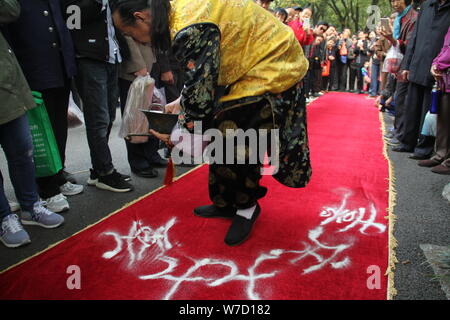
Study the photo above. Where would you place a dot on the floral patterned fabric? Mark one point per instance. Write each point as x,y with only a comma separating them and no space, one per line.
197,47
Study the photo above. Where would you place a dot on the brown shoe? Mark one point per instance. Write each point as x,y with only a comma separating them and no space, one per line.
430,163
441,169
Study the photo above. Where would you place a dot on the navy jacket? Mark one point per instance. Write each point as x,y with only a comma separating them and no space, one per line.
91,41
426,41
42,43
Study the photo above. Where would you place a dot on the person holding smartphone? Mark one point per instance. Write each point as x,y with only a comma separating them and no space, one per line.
302,28
398,32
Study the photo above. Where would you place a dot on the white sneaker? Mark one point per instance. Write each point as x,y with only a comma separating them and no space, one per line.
14,206
57,203
70,189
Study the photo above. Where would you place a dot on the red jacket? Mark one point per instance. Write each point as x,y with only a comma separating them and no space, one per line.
305,38
407,27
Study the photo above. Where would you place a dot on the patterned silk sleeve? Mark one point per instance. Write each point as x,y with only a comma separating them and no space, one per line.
197,47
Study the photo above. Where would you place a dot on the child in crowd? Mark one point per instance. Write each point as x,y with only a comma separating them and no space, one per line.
281,14
366,75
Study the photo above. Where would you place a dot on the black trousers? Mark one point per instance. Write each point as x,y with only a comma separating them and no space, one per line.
401,91
342,70
326,84
57,104
139,155
317,84
356,74
334,77
307,82
237,185
418,102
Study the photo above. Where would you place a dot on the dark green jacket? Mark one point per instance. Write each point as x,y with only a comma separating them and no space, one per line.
15,94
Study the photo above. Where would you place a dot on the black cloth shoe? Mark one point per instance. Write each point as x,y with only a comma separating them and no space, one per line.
240,228
146,173
113,182
211,211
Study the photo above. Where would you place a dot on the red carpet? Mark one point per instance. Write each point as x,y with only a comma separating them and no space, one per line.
327,241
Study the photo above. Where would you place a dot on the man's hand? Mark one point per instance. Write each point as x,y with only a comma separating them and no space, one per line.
435,72
142,72
404,76
163,137
173,107
167,77
388,35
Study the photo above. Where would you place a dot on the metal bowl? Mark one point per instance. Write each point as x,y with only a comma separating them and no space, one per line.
161,122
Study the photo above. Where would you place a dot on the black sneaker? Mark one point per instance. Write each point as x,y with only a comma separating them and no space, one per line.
240,228
93,178
113,182
211,211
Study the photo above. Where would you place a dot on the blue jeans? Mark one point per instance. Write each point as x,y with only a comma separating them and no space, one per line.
374,83
98,86
15,139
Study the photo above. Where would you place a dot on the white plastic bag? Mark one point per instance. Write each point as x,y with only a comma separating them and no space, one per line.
393,60
134,120
159,96
430,125
446,192
75,117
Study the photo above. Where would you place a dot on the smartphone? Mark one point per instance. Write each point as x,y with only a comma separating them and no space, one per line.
306,23
385,22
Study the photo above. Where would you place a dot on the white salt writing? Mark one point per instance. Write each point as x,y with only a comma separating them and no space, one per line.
155,242
341,215
146,236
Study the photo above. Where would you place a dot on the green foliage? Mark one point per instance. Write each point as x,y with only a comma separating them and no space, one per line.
341,13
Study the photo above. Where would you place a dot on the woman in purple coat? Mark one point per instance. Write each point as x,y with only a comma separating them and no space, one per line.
440,69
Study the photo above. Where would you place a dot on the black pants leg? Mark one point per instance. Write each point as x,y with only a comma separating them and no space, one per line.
326,84
57,104
308,82
353,78
139,155
342,70
237,185
400,107
418,102
360,83
317,80
334,77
